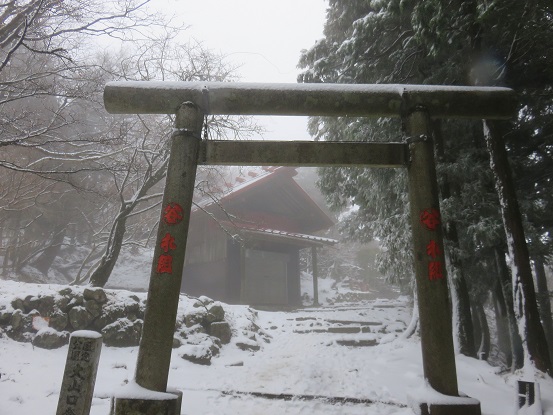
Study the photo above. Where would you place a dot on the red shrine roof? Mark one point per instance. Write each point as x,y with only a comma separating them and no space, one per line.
269,202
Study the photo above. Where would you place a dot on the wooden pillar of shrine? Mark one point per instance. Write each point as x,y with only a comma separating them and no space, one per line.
315,270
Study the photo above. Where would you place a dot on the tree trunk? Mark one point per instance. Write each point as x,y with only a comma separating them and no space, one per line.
505,282
524,296
502,324
484,345
544,304
45,260
477,329
101,274
414,323
461,312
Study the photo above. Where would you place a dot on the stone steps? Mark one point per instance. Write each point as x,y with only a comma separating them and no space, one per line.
347,332
336,330
339,328
357,342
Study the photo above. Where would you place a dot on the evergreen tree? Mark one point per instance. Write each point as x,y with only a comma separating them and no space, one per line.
439,42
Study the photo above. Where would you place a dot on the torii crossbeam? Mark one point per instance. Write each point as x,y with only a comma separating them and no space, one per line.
415,104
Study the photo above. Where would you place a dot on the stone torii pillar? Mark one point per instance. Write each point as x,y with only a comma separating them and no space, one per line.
416,104
154,352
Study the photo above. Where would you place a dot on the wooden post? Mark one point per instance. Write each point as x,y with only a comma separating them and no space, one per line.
79,376
243,291
315,275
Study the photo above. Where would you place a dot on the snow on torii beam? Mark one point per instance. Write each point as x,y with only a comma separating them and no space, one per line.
153,97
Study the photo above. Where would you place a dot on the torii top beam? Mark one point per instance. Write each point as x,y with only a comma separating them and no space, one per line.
358,100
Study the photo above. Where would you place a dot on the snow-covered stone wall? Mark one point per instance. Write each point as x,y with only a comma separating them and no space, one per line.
48,317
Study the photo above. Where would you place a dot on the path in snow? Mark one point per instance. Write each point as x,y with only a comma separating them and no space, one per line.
303,360
304,363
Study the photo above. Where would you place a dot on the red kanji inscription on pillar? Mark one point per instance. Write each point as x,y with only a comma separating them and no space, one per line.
435,270
433,250
165,264
168,243
173,213
430,218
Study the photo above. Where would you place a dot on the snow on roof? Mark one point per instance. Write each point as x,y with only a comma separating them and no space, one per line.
253,177
241,181
311,239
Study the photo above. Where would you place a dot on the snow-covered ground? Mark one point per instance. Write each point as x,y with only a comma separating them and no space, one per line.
304,358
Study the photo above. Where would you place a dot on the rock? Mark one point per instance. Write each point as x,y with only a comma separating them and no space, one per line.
20,336
27,303
248,345
122,333
176,343
179,321
189,332
216,312
44,305
5,317
62,303
21,326
236,364
133,311
206,301
17,304
200,355
109,315
93,307
17,320
254,327
197,317
96,294
58,321
79,318
221,330
66,291
48,338
75,302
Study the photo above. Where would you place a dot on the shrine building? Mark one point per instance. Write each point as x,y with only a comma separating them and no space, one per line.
244,246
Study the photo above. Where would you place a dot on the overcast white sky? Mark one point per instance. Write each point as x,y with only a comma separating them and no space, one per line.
264,36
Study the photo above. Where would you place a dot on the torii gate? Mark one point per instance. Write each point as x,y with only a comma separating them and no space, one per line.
415,104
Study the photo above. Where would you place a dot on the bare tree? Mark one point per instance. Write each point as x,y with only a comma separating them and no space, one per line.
139,175
56,134
47,131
